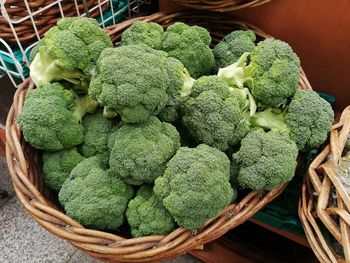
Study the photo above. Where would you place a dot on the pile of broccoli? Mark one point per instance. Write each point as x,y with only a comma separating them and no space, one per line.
163,131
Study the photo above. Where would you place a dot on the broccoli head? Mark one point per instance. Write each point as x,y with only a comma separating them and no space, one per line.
140,32
232,47
195,186
94,197
132,81
180,86
58,165
139,152
97,130
214,114
147,216
70,50
51,117
308,119
271,71
265,160
190,45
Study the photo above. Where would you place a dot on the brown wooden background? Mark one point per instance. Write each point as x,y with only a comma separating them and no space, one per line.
318,30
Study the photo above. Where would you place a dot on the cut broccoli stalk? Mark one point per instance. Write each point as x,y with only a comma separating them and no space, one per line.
188,84
236,74
269,119
250,102
44,70
108,112
83,105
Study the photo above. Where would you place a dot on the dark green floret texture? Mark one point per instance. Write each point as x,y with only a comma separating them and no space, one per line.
58,165
190,45
131,81
97,131
69,52
265,160
233,46
147,216
51,117
195,185
139,153
140,32
94,197
214,115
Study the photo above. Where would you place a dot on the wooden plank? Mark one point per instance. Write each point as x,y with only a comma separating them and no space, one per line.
298,239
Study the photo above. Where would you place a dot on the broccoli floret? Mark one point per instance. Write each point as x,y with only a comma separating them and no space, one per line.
58,165
51,117
139,152
195,186
97,130
69,52
180,86
147,216
140,32
232,47
190,45
94,197
265,160
215,115
271,71
131,80
308,119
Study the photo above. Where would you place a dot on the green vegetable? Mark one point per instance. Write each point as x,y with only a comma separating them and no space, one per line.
190,45
97,130
265,160
180,86
232,47
140,152
94,197
51,117
147,216
69,52
215,114
195,186
140,32
271,71
308,119
58,165
132,81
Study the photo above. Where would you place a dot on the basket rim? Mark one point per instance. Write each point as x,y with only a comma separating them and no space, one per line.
103,245
314,209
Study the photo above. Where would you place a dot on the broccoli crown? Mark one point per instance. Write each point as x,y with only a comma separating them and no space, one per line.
131,80
180,86
213,115
49,127
275,72
97,130
94,197
140,152
70,51
147,216
58,165
265,160
190,45
140,32
195,186
309,118
271,71
232,47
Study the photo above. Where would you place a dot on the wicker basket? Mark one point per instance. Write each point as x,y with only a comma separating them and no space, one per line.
24,167
16,10
325,202
220,5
